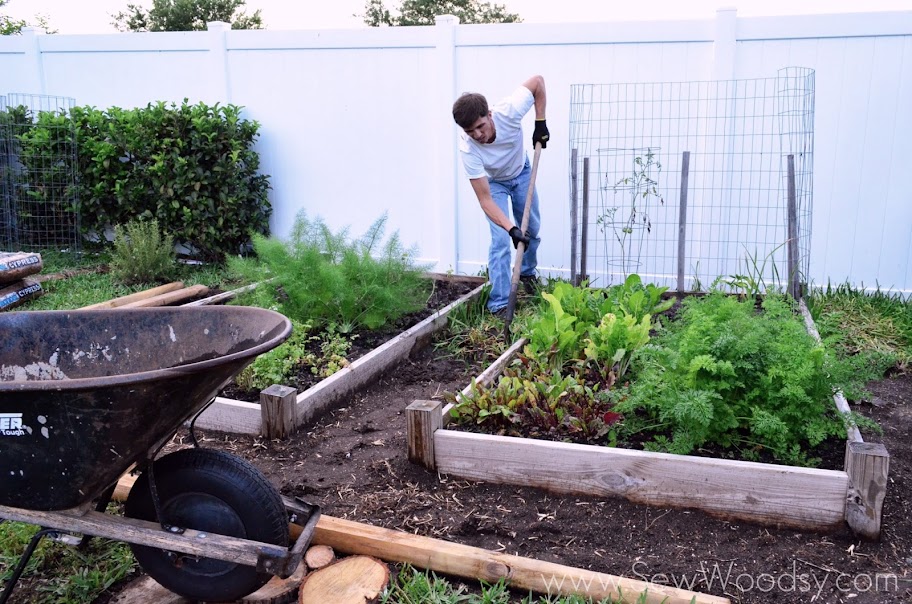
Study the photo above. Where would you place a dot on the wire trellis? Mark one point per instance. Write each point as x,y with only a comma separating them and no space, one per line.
39,203
687,183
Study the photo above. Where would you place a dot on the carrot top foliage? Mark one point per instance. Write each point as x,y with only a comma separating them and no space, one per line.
725,374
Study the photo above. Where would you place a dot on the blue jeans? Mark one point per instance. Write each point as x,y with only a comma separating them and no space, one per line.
503,192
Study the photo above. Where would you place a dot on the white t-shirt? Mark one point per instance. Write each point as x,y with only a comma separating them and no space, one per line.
504,158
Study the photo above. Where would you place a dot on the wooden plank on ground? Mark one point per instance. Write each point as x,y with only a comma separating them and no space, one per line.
224,296
475,563
768,494
69,273
141,295
169,297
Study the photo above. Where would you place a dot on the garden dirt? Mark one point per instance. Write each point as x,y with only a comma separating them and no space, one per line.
353,463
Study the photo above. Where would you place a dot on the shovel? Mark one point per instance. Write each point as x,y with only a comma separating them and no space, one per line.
521,248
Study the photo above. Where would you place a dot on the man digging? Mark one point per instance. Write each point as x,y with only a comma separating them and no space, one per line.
498,168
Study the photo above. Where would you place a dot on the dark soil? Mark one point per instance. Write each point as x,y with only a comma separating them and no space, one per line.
353,463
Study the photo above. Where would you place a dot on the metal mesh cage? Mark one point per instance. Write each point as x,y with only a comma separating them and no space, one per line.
685,183
40,204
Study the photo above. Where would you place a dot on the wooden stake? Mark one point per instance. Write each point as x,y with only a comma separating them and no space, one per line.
146,293
277,406
868,467
793,277
319,556
68,274
353,580
682,221
574,277
474,563
169,298
224,296
422,419
584,228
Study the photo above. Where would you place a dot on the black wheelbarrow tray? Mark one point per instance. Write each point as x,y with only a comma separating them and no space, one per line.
86,396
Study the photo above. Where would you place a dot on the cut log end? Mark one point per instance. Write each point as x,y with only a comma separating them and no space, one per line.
352,580
319,556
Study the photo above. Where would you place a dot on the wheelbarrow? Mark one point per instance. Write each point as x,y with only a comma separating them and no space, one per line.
86,396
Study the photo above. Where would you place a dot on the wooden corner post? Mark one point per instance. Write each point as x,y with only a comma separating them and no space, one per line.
277,406
422,419
682,221
868,467
794,281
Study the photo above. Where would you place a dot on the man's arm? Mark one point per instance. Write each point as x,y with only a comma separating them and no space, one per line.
483,193
536,85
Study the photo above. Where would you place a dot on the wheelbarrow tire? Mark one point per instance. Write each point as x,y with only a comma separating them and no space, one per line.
215,492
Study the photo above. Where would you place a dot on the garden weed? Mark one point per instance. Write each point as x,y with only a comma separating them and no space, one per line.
752,284
472,333
142,253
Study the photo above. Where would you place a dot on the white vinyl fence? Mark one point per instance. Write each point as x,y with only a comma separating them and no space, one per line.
355,123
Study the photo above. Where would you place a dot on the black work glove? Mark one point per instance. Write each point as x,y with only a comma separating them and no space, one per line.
516,235
540,134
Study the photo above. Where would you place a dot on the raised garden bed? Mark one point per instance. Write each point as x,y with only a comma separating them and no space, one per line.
763,493
281,409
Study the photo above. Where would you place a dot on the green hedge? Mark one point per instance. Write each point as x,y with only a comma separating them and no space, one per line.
191,167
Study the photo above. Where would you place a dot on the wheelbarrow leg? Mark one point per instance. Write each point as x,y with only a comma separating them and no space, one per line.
100,506
23,561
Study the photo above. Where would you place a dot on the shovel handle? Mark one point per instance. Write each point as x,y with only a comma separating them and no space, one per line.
521,247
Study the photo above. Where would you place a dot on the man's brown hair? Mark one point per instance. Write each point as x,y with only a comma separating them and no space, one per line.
468,108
